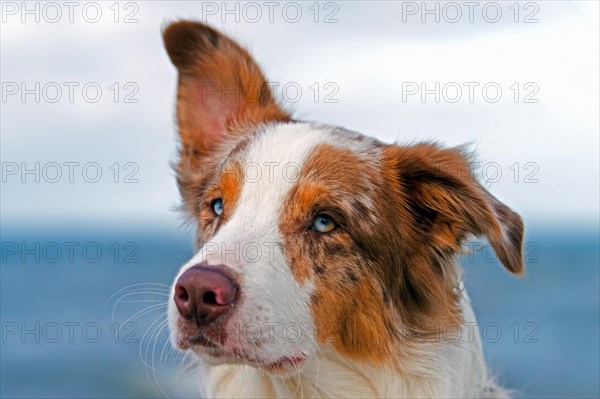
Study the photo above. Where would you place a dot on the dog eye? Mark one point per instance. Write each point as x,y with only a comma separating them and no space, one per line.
323,224
217,206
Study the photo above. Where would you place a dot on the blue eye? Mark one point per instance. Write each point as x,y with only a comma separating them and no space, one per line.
323,224
217,206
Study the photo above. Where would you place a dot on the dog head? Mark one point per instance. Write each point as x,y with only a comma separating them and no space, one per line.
308,234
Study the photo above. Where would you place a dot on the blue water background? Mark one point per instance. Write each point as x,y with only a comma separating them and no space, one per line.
541,332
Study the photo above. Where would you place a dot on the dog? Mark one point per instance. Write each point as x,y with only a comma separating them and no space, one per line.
326,259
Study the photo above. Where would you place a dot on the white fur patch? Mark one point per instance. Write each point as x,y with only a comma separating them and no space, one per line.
274,318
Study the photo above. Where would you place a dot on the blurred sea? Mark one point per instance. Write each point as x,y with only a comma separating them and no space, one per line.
63,336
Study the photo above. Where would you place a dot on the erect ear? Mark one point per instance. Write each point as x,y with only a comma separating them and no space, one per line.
221,90
448,204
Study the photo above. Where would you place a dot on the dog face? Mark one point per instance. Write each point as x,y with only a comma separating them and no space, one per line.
307,234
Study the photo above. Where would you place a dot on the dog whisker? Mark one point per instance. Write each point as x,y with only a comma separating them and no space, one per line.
131,294
143,355
155,286
146,310
159,330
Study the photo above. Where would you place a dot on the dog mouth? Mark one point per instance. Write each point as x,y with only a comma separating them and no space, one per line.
198,340
285,364
203,346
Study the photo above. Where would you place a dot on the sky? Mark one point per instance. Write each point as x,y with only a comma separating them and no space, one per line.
88,95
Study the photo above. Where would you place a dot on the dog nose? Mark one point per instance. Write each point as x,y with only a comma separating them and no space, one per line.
202,294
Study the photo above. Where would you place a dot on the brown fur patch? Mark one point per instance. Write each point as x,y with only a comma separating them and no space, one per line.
386,276
222,97
227,186
221,89
347,308
450,204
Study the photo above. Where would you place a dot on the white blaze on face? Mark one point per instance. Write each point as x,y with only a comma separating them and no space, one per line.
274,312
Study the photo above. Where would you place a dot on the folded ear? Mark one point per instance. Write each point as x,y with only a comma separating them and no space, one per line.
448,204
221,90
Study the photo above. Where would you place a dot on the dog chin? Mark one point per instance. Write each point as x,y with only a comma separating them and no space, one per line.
284,367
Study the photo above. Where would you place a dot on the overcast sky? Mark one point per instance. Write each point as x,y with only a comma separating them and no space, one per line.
361,65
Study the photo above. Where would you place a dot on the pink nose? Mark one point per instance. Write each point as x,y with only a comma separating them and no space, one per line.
202,293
